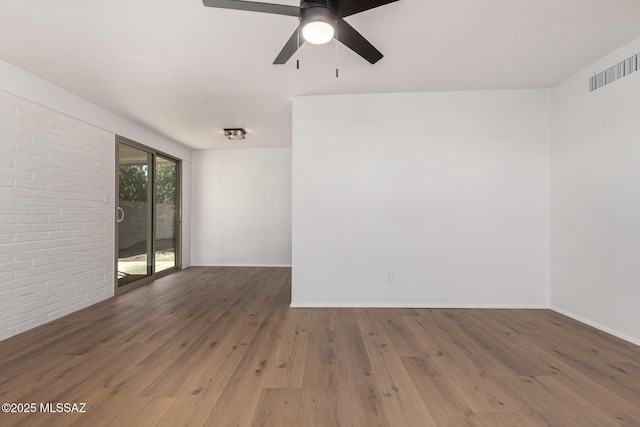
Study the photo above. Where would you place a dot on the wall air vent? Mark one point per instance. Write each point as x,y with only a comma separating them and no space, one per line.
615,72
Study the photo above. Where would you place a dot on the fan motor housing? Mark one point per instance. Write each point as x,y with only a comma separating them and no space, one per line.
318,13
308,4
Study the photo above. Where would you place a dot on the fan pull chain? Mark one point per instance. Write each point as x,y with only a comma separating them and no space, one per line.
336,40
298,47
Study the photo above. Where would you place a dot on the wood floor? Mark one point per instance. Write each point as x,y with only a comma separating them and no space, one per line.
221,347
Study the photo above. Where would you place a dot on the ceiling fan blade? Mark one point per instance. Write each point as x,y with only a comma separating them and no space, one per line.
348,36
253,6
351,7
294,42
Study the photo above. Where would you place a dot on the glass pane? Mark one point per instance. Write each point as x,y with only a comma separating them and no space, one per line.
134,214
166,213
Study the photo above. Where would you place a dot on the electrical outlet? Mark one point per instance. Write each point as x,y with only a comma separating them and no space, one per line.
389,276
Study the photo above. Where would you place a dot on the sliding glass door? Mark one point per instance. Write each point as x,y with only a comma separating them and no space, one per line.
166,213
134,214
147,213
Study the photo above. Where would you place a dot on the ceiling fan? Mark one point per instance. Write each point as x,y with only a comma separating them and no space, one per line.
320,22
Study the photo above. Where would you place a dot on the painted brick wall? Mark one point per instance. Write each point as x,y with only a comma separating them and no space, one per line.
56,215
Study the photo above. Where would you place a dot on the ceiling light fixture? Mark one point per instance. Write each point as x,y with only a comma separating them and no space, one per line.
317,24
235,133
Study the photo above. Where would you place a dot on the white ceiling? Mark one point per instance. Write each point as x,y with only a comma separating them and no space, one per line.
187,71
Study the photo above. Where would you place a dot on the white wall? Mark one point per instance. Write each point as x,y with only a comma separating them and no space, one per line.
447,190
56,226
27,86
56,214
595,199
242,207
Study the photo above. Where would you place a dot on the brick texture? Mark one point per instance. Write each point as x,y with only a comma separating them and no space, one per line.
56,215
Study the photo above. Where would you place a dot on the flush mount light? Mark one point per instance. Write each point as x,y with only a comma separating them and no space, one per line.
317,24
235,133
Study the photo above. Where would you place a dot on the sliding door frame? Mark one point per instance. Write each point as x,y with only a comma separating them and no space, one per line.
178,232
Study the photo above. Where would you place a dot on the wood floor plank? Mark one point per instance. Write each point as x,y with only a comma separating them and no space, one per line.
136,380
117,401
194,405
144,412
278,407
319,405
288,367
502,420
495,345
445,404
239,400
101,390
580,413
599,365
401,337
610,345
176,377
358,395
526,396
81,381
606,401
41,375
462,368
402,403
220,346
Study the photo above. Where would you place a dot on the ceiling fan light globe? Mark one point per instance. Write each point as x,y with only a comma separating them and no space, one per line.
318,32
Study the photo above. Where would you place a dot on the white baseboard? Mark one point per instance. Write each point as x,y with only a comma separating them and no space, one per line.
241,265
596,325
414,305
